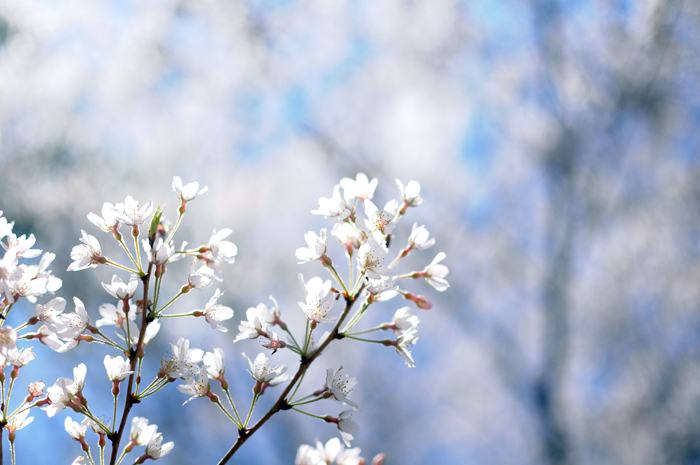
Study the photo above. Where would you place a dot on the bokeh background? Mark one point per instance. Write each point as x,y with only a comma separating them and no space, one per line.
556,143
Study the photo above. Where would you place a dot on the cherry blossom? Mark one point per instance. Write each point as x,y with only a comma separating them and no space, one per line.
189,191
360,187
121,290
154,449
86,255
118,368
215,313
370,257
435,273
214,363
108,222
340,385
200,277
419,238
261,371
410,194
336,208
383,221
316,247
195,386
318,301
131,214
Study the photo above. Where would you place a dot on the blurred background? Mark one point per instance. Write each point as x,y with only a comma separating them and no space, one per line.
556,144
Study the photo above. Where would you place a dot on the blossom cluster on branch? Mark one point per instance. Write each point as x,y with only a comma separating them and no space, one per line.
136,311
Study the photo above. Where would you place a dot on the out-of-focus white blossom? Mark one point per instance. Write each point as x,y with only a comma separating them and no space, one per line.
360,187
108,222
410,194
316,247
336,208
435,273
189,191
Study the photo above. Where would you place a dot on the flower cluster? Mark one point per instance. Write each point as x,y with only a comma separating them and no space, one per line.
136,310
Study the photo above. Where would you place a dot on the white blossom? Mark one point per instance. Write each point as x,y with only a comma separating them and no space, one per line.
75,429
419,238
360,187
108,222
215,313
141,432
370,257
316,247
318,301
384,220
200,277
214,363
195,386
261,371
155,450
435,273
118,368
131,214
85,255
340,385
410,194
336,208
189,191
121,290
347,426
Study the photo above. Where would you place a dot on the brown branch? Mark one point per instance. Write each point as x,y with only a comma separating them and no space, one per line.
243,435
133,357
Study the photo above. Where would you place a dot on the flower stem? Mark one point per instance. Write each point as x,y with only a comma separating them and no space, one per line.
335,274
309,414
233,406
228,414
121,241
115,264
252,406
169,303
177,225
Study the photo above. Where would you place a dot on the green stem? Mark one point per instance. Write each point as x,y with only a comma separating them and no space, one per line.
297,387
115,264
7,312
121,241
310,414
364,340
307,401
7,401
170,302
252,406
89,456
177,225
176,315
364,331
233,406
228,414
114,418
138,253
335,274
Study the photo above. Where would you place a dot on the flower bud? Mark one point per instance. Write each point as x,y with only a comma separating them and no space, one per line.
420,301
